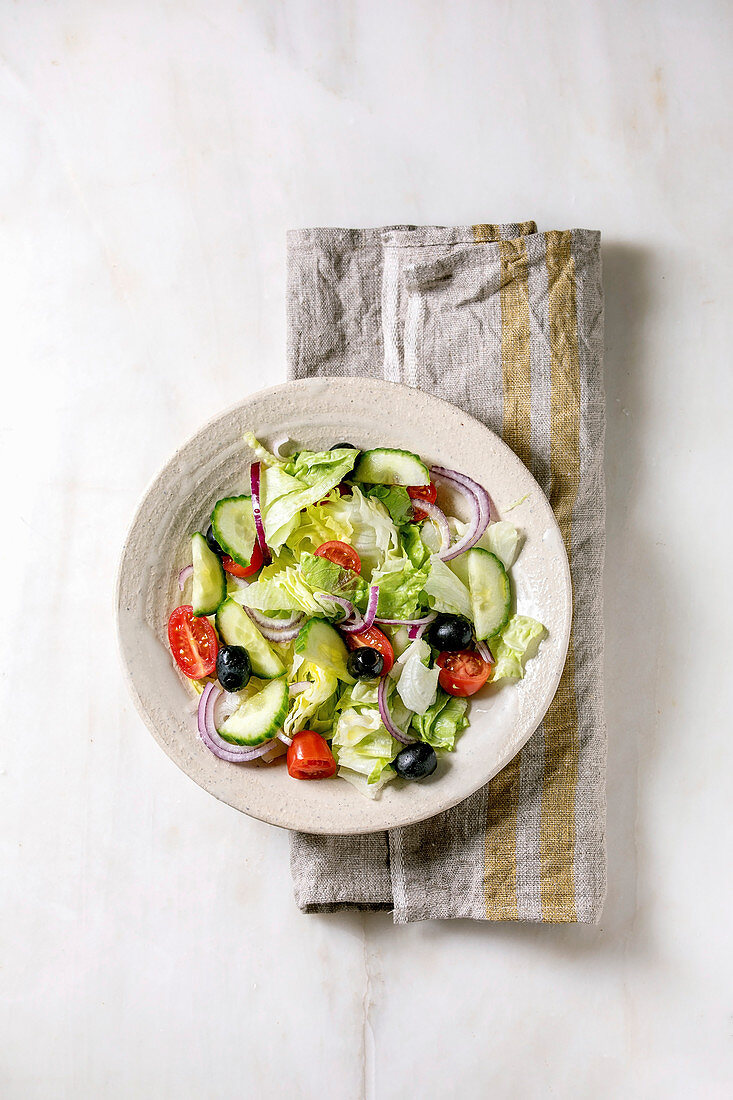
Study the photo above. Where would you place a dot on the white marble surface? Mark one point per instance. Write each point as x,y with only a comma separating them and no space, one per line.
153,155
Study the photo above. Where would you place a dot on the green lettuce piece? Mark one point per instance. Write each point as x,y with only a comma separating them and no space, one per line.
400,587
395,499
281,588
413,544
373,534
442,722
416,681
363,747
360,521
315,706
515,645
446,592
361,694
311,467
303,482
501,538
325,576
317,524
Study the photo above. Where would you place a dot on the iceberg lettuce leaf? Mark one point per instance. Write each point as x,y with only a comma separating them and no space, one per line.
304,482
442,721
446,592
416,683
395,499
517,643
362,746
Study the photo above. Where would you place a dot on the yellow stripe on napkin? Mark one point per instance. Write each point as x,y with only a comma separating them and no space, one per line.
557,828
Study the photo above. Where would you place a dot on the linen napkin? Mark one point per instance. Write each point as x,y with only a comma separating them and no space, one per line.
507,323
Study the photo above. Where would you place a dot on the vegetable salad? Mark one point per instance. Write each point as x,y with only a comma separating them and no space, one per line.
339,618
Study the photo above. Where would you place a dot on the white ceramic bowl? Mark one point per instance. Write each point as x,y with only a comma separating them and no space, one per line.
215,463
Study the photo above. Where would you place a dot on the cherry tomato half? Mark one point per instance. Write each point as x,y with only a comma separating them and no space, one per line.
375,639
232,567
340,553
462,673
421,492
310,757
193,643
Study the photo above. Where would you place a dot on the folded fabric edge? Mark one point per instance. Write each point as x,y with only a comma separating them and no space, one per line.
406,236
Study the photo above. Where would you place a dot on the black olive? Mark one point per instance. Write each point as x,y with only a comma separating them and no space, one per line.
449,633
415,761
344,446
365,663
212,543
233,667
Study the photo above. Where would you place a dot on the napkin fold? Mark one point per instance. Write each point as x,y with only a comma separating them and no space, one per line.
507,323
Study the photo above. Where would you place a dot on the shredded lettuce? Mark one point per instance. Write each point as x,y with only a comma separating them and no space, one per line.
395,499
313,467
442,721
303,482
413,544
515,645
416,683
317,524
446,592
281,588
325,576
316,704
373,534
362,746
502,539
400,587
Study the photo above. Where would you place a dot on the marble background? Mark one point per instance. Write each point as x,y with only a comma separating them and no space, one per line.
154,153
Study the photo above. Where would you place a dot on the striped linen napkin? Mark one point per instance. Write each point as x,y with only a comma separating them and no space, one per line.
507,323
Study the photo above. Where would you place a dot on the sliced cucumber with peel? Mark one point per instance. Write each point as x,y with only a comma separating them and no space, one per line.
233,523
259,718
209,582
491,596
321,644
235,627
384,466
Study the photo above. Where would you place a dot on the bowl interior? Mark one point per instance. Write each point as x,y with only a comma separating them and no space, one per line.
215,463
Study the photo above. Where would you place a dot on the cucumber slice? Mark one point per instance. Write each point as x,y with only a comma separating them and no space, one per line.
320,643
491,596
234,528
259,718
209,582
236,628
384,466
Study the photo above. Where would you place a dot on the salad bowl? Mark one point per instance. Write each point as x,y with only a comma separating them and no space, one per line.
214,463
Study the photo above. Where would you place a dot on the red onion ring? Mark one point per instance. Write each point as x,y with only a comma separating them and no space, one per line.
184,575
285,739
254,481
434,513
387,717
276,630
298,686
371,610
416,631
480,504
353,623
409,622
233,754
485,653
